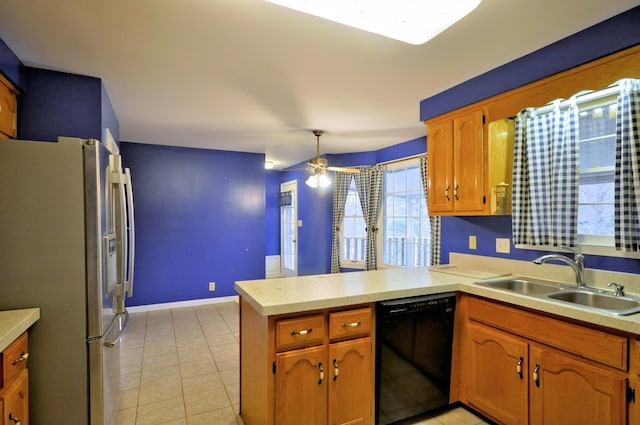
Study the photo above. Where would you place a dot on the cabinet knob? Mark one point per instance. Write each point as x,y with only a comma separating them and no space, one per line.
446,192
455,193
335,369
321,373
536,375
15,420
23,358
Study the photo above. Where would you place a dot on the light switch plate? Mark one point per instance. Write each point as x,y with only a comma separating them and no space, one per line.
473,242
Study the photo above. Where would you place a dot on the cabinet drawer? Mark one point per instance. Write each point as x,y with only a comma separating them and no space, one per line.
14,359
299,332
350,323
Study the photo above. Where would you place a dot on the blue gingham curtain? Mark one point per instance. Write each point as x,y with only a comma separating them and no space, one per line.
341,182
627,173
369,186
546,177
434,221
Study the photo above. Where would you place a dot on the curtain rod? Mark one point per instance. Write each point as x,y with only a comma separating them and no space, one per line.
587,97
392,161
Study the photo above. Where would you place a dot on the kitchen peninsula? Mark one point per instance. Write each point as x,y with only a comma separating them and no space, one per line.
273,310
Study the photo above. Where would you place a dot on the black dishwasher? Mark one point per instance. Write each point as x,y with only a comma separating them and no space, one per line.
413,356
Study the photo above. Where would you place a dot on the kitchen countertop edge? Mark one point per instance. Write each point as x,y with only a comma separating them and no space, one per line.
306,293
14,322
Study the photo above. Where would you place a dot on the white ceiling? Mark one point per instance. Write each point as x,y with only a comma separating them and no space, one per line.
251,76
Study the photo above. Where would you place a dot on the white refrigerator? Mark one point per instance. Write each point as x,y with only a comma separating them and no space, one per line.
67,247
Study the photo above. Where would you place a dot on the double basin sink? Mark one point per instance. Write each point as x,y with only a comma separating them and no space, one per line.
588,298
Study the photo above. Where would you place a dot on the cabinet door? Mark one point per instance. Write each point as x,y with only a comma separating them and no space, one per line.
569,391
497,384
8,107
468,162
351,383
16,401
440,161
300,387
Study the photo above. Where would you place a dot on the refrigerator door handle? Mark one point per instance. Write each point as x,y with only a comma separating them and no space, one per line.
117,178
131,234
110,343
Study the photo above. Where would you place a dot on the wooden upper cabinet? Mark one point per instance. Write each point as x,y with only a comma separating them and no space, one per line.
8,110
456,160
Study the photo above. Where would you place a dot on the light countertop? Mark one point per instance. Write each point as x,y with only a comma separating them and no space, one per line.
305,293
14,322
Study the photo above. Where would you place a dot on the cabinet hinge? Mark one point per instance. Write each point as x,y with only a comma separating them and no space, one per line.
273,368
631,395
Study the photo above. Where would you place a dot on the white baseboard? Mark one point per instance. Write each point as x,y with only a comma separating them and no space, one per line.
181,304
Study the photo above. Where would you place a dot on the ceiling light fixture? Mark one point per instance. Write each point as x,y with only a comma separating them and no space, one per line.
410,21
318,179
268,165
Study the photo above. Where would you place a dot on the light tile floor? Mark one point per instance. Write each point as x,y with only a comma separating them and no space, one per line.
181,367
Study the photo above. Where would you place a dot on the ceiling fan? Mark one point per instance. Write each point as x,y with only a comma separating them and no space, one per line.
321,163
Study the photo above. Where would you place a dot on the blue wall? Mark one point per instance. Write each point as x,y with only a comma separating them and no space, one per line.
600,40
60,104
200,217
610,36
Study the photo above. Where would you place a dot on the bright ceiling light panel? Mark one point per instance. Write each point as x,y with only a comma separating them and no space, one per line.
411,21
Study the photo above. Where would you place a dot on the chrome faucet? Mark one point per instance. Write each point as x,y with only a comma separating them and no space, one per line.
577,264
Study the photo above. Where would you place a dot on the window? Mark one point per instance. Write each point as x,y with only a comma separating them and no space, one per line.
354,236
597,129
405,238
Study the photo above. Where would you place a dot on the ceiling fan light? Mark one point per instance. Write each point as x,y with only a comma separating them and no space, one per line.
312,181
324,180
410,21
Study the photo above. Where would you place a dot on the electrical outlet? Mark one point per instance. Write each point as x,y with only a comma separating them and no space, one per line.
503,245
473,242
212,286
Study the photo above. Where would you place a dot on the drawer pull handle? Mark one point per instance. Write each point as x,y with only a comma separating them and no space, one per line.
536,376
455,193
15,420
321,373
352,324
23,358
302,332
519,368
446,192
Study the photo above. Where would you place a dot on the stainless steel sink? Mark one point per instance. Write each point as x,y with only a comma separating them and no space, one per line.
621,306
588,298
522,286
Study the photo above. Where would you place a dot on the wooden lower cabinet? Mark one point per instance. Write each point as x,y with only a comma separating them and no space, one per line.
14,402
314,368
498,379
569,391
512,378
301,391
351,388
